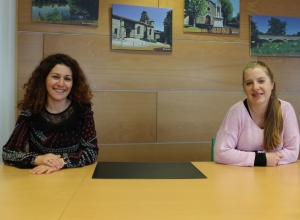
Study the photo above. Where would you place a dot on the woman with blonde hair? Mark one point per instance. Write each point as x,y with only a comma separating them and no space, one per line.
261,130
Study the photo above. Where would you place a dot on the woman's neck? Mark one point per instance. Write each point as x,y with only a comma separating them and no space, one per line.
57,107
259,111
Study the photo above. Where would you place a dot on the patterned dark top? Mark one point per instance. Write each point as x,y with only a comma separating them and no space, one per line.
70,133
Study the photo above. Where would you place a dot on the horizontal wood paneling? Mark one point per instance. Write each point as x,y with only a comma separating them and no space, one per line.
125,117
193,65
192,116
155,152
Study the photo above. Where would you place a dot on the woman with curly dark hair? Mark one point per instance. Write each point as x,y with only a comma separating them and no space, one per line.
56,120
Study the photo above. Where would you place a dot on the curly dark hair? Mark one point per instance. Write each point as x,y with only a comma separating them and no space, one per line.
36,94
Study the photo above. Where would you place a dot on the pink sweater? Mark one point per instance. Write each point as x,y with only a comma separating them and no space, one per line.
238,137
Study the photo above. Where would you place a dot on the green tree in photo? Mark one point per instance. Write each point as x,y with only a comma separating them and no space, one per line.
144,17
236,19
53,15
50,3
87,8
227,10
168,28
254,34
162,37
195,8
276,27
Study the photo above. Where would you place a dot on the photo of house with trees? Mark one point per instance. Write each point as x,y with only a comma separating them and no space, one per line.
141,28
275,36
212,16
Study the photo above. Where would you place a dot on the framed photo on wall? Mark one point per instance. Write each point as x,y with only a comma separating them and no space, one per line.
72,12
212,16
274,36
141,28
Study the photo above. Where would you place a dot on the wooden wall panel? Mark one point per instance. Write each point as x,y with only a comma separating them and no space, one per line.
125,117
30,53
154,106
192,116
294,99
155,152
286,73
271,7
193,65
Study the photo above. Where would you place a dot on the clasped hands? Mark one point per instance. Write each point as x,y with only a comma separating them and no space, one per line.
47,163
273,158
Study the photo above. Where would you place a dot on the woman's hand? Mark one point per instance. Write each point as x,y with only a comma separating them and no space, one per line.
50,160
40,169
273,158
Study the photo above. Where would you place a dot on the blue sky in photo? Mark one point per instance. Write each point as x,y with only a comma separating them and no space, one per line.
155,14
292,26
236,7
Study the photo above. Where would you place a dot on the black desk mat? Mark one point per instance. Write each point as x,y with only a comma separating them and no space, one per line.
146,170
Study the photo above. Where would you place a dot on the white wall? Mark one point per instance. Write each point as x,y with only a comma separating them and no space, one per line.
7,69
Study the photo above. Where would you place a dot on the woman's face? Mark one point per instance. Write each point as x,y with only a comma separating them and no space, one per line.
59,83
257,86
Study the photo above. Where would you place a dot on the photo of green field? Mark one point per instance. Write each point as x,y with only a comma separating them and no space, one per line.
275,36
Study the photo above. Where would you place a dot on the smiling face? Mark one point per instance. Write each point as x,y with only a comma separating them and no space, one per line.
59,84
258,86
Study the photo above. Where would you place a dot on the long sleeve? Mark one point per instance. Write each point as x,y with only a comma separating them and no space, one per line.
239,137
73,137
230,147
14,151
88,149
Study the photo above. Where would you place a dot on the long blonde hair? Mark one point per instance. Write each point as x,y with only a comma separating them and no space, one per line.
274,122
